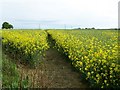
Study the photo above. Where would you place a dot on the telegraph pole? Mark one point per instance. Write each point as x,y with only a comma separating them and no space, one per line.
71,27
39,26
65,26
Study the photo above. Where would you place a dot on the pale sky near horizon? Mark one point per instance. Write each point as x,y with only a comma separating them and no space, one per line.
60,13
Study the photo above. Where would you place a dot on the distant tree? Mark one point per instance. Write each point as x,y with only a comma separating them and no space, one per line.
6,25
79,28
10,26
92,28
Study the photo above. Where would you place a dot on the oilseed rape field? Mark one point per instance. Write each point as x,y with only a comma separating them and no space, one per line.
27,44
94,53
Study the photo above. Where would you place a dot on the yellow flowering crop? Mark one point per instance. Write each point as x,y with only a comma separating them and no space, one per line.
93,52
28,45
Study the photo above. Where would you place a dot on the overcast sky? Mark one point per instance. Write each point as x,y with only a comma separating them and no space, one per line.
60,13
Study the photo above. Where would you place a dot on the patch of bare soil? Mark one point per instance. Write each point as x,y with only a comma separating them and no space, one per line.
53,72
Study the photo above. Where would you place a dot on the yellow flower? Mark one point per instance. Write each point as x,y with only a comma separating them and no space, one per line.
88,73
105,81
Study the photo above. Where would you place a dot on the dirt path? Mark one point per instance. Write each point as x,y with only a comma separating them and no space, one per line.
53,72
60,72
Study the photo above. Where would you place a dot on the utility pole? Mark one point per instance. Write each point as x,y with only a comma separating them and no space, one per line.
39,26
65,26
71,27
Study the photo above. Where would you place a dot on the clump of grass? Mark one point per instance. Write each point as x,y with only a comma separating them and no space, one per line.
10,75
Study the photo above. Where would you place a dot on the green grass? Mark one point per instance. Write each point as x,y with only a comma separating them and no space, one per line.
10,75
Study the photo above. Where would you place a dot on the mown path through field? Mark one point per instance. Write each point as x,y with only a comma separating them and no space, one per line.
54,72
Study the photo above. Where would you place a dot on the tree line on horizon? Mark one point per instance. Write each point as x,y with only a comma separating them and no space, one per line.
7,25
